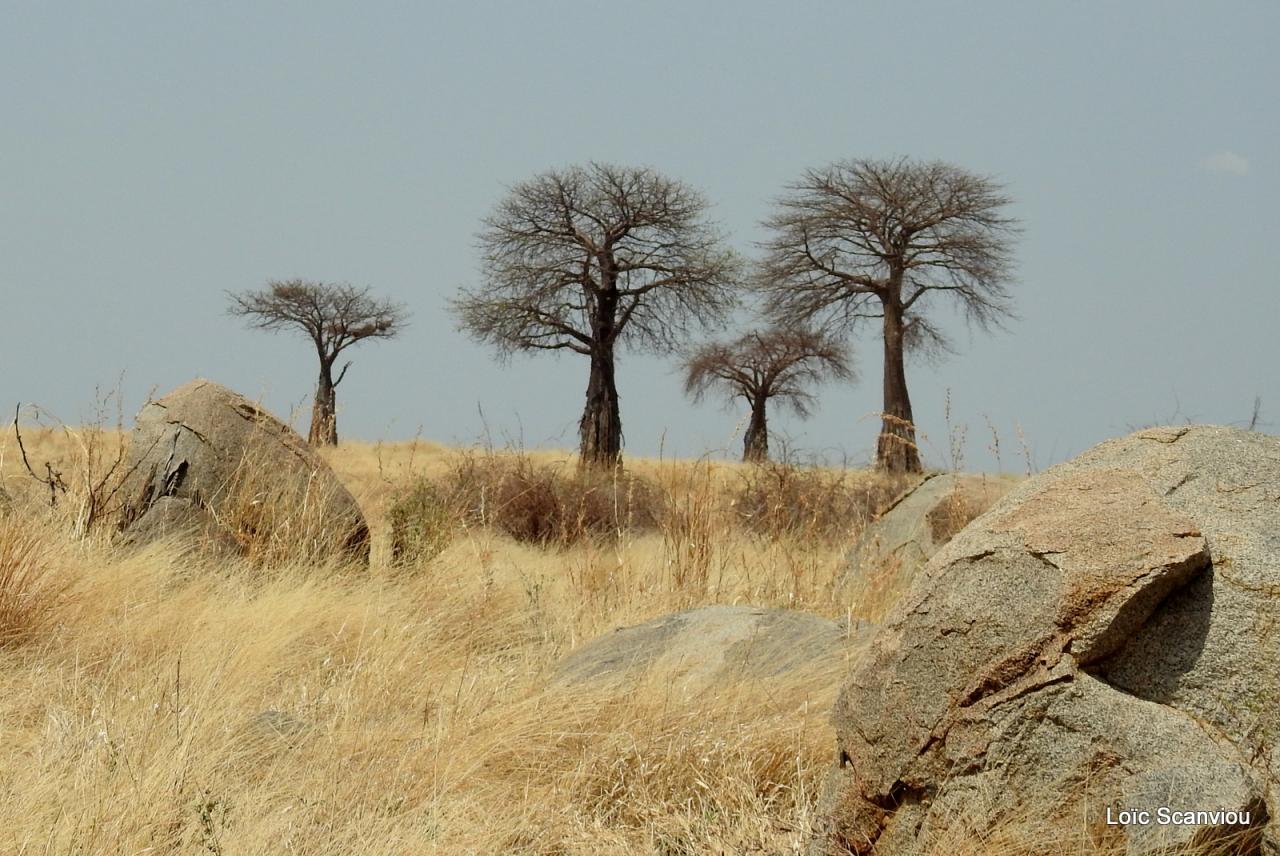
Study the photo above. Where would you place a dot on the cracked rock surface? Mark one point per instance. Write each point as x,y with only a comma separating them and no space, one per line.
202,451
1108,634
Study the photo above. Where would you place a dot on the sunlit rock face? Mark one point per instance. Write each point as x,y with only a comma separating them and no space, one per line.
1105,638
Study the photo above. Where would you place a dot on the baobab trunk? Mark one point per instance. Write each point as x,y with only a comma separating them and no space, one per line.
896,449
600,430
324,412
755,444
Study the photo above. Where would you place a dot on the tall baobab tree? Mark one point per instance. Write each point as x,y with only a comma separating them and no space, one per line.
763,365
334,316
592,258
889,240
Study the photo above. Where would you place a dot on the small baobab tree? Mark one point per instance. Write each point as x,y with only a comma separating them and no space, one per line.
890,240
593,258
764,365
334,316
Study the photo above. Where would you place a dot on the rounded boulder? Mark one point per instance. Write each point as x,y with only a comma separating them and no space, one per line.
206,458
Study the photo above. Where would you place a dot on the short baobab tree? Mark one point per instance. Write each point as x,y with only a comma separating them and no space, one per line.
764,365
591,259
334,317
890,240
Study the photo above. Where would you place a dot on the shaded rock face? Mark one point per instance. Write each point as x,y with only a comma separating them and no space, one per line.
907,535
1108,635
202,457
702,647
177,518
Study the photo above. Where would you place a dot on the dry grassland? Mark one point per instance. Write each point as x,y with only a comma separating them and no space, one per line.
155,702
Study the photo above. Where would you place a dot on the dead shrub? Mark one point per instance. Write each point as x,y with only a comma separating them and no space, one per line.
83,484
531,502
780,499
422,522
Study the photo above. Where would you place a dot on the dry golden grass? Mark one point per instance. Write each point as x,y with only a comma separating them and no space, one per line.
169,704
158,702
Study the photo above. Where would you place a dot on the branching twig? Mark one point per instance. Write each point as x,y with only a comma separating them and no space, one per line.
53,478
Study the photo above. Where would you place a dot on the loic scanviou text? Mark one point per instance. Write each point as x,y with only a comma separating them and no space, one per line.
1166,816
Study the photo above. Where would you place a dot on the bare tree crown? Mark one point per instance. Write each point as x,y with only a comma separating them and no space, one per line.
594,255
333,316
776,363
855,234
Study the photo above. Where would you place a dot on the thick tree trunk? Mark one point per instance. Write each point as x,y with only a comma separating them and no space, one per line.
896,449
324,412
600,430
755,444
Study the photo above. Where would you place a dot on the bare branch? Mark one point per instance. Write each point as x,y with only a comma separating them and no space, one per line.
591,256
342,373
897,230
333,316
762,365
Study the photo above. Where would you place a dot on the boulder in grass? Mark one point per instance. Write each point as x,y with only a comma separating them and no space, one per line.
205,458
715,645
904,537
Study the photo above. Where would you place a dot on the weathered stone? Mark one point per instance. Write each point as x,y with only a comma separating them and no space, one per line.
715,644
1103,636
273,729
231,464
908,533
173,518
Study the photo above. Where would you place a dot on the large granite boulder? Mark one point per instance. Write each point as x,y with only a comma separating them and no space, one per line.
712,645
204,460
904,537
1102,640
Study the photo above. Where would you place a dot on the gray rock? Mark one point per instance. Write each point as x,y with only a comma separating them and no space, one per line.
1103,636
907,534
173,518
217,453
712,645
273,729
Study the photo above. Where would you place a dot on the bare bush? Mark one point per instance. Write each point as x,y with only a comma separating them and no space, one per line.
84,485
785,500
533,503
422,522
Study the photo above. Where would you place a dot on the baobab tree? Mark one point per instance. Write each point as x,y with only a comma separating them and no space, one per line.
593,258
334,316
764,365
889,240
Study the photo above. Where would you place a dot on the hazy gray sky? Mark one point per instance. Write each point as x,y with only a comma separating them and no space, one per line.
153,155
